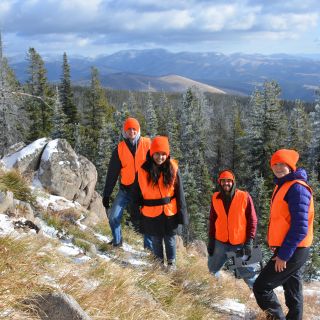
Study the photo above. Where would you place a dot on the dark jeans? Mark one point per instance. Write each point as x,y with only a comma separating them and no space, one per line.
170,247
290,279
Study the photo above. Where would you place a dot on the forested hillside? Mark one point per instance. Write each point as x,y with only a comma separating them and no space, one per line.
207,132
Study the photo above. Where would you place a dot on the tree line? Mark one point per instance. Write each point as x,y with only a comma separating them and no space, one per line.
207,132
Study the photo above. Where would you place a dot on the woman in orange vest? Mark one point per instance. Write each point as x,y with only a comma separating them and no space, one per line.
290,236
162,200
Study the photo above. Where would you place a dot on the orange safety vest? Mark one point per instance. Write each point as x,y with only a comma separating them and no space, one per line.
130,164
231,227
280,218
157,193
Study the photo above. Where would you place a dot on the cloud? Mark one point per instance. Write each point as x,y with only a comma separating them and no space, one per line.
165,23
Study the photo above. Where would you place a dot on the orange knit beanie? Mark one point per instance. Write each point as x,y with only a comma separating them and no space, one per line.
131,123
160,144
287,156
226,174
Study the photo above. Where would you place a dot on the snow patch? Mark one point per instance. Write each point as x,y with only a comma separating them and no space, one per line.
6,225
49,150
56,203
24,152
231,306
68,249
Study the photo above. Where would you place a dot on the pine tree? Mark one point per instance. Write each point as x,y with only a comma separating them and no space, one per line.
59,120
313,264
299,130
151,117
39,106
314,147
66,97
12,118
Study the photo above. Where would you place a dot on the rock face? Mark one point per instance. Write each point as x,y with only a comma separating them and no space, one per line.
58,306
27,158
6,201
63,173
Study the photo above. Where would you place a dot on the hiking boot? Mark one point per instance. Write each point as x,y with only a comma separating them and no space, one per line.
115,245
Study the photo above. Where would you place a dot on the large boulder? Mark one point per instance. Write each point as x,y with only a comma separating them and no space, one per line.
6,201
57,306
26,159
63,173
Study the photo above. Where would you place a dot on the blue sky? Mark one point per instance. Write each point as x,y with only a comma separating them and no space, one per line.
97,27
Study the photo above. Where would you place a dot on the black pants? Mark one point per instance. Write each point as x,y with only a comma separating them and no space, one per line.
290,279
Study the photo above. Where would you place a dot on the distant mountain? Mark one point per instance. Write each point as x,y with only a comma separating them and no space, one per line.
298,76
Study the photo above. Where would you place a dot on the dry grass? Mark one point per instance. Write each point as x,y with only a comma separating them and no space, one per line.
109,290
13,181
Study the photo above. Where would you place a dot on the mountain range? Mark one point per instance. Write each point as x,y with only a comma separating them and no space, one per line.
158,69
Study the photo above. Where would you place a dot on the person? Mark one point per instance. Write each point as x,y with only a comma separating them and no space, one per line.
162,201
125,160
232,226
289,235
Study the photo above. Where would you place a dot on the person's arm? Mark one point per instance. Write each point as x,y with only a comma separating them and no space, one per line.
181,201
212,230
298,198
112,176
252,220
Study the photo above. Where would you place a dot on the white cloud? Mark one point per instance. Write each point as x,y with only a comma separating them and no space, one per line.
293,22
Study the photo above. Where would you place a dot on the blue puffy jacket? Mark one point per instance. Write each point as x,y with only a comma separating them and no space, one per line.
298,198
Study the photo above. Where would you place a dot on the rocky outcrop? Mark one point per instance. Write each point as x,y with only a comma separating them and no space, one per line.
27,158
6,201
57,306
63,173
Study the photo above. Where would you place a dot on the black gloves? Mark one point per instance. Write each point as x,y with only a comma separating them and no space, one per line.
210,246
105,202
247,247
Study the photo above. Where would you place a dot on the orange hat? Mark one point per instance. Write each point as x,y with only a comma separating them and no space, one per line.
226,174
287,156
160,144
131,123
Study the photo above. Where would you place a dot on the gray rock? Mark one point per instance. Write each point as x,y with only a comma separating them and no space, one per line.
26,159
65,174
97,207
57,306
6,201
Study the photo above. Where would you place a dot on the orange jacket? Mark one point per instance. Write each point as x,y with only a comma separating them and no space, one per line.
231,227
279,222
157,199
130,164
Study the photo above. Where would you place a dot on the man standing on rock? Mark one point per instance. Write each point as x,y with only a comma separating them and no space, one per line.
125,161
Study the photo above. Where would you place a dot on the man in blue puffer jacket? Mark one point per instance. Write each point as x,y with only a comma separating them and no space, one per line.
290,236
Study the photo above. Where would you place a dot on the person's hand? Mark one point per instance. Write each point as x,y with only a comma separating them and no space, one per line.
105,202
210,246
247,248
280,264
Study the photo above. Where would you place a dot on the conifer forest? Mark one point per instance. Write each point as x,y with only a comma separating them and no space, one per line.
207,133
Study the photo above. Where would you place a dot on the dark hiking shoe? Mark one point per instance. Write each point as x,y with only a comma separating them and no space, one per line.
115,245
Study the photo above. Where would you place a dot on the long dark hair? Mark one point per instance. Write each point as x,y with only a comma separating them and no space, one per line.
154,171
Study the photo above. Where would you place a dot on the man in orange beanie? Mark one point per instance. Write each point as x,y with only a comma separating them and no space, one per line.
290,234
125,161
232,226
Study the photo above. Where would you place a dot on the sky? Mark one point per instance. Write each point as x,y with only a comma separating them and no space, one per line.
101,27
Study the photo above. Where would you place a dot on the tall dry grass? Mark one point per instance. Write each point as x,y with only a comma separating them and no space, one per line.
109,290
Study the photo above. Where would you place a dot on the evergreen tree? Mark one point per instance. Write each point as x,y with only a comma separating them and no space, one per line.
313,264
151,117
168,125
299,130
39,106
314,147
59,120
96,113
12,118
265,129
66,96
